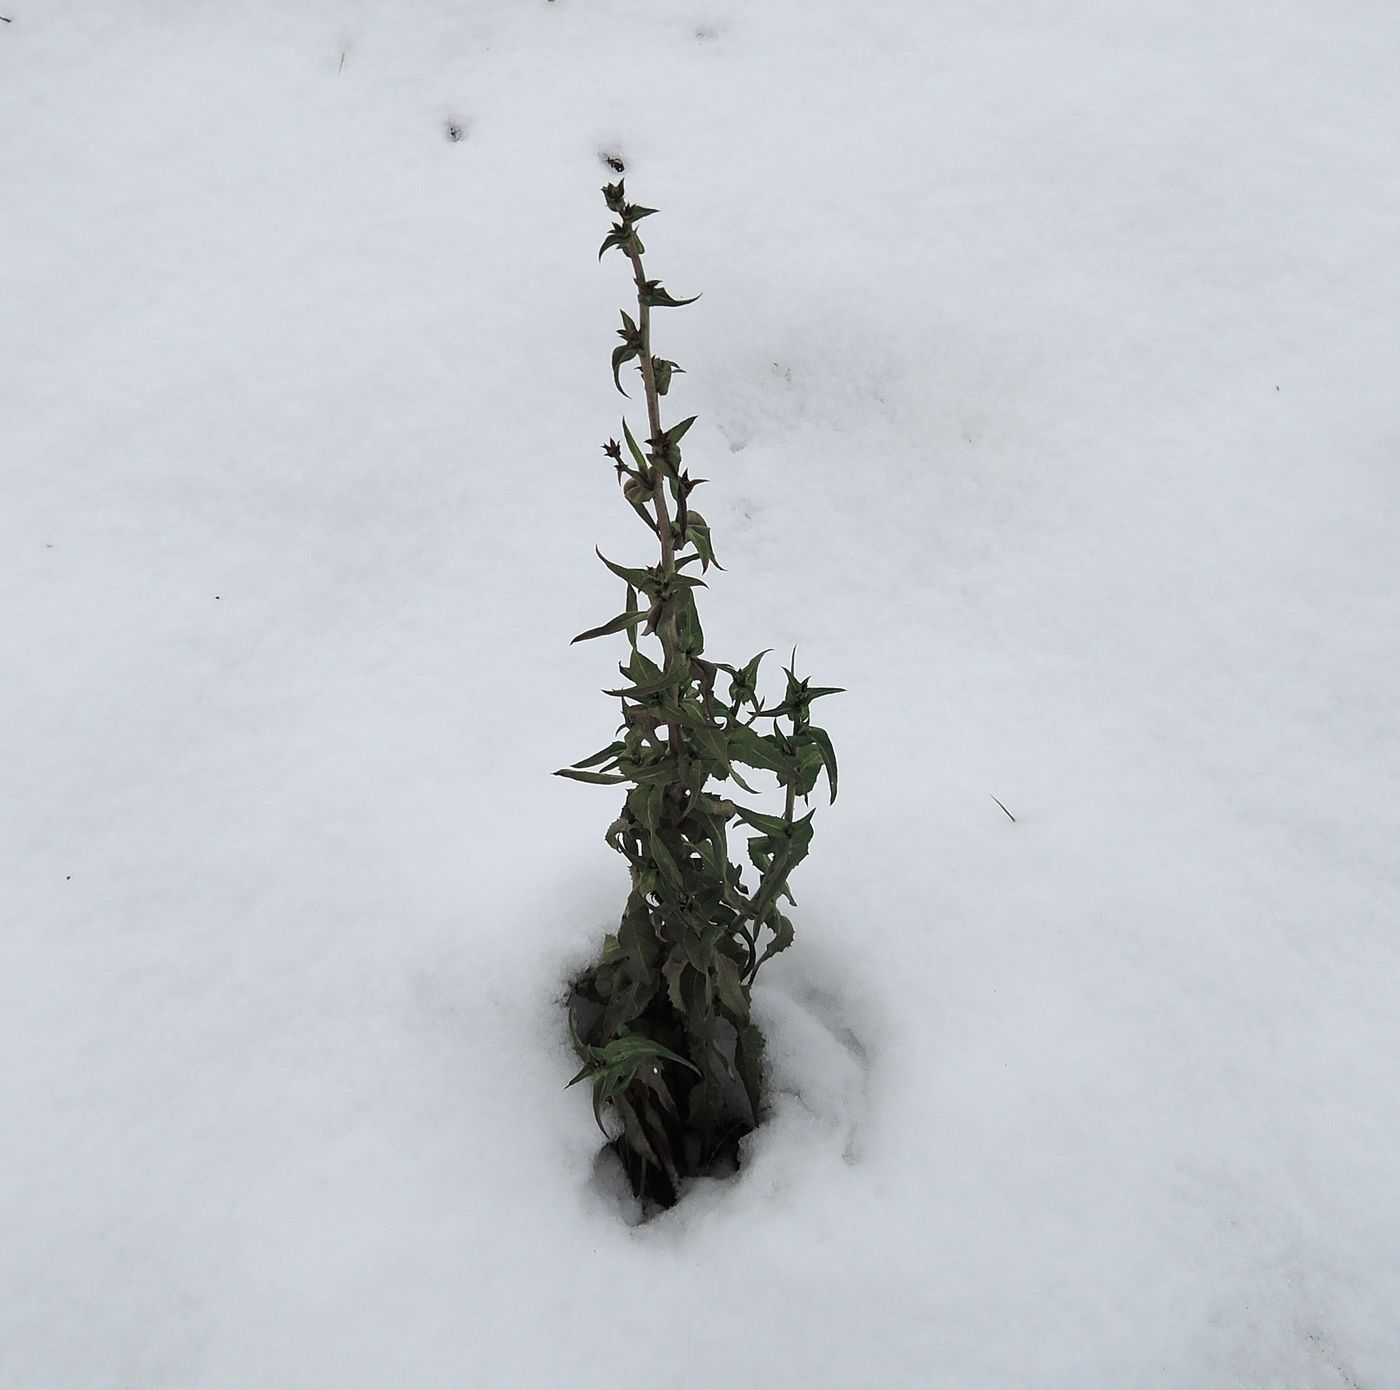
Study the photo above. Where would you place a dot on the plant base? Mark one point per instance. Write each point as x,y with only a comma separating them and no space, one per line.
674,1128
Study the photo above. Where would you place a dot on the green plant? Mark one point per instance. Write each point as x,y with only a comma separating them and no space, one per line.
661,1021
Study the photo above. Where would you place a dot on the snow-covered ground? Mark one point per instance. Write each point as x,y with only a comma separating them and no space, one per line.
1046,372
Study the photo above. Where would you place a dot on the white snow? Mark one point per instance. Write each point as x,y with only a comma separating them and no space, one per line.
1046,378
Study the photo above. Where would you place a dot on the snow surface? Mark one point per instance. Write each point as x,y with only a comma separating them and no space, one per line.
1046,378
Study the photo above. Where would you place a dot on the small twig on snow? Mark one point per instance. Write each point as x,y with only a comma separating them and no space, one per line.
1009,816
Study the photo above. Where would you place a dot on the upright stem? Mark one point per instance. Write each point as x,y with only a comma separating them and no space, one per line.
666,628
658,494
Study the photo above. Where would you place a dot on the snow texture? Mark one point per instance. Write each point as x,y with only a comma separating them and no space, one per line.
1046,378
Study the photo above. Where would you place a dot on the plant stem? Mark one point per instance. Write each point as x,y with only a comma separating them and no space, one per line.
666,628
658,495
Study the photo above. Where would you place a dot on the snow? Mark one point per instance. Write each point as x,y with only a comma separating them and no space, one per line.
1045,371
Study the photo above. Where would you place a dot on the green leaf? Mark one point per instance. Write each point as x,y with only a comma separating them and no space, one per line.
633,607
755,750
748,1053
630,997
617,237
633,1048
656,295
716,839
600,778
822,741
712,867
662,371
638,457
641,667
769,825
739,781
731,989
706,1105
637,1140
656,1084
637,578
617,624
690,636
699,1021
673,970
697,533
809,767
601,756
647,803
615,836
665,860
642,690
676,433
782,939
744,682
637,937
660,772
788,853
692,945
621,355
710,743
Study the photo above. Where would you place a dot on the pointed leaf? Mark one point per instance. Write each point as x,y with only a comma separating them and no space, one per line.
633,1048
749,1055
637,1140
822,740
782,939
677,432
638,578
655,294
731,989
617,624
637,455
768,825
620,356
601,756
665,860
673,970
662,372
756,750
